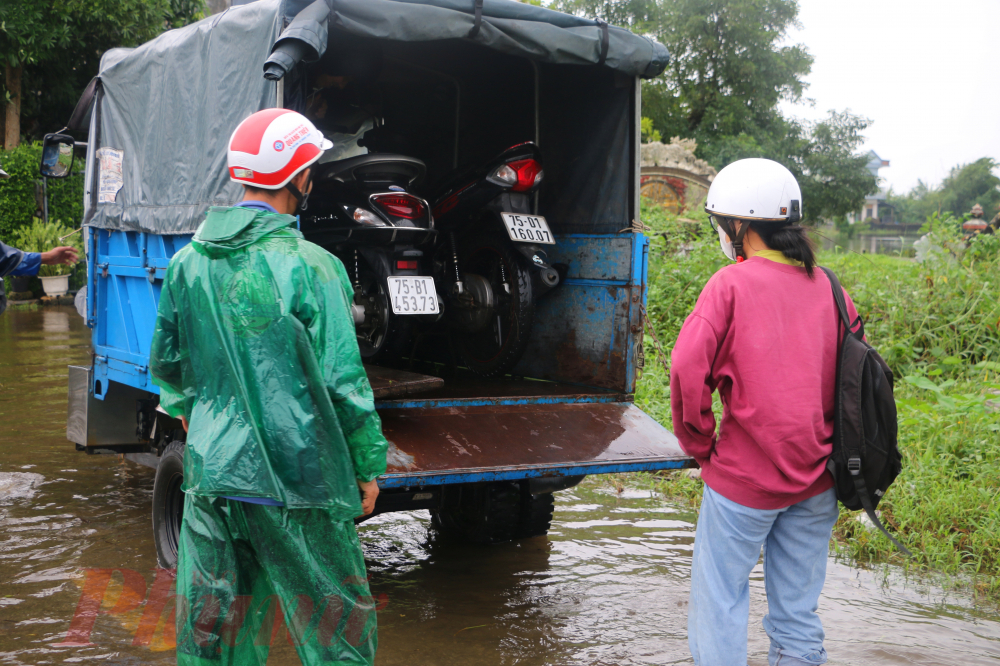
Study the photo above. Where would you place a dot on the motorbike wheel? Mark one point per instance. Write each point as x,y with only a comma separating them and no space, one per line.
495,347
383,336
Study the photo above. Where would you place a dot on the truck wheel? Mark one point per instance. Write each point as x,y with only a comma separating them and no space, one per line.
168,504
537,516
489,513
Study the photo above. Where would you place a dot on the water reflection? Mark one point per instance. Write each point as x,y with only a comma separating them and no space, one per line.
901,244
55,321
608,586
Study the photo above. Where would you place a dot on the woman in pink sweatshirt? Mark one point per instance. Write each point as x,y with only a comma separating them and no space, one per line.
764,333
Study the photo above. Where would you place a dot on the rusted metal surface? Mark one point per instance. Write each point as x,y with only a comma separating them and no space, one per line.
476,442
586,331
390,383
594,258
580,335
464,386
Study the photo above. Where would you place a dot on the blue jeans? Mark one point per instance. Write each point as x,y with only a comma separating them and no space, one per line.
726,548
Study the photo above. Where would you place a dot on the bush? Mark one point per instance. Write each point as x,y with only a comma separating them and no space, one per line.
42,237
940,315
20,195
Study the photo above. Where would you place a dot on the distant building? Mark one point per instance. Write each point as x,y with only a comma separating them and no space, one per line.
875,208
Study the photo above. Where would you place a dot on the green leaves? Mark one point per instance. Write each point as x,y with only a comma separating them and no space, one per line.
922,382
20,195
965,185
42,237
60,42
730,67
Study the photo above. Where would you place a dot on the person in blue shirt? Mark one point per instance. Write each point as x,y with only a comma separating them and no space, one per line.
16,262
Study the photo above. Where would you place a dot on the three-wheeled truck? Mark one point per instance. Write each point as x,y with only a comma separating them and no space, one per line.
462,80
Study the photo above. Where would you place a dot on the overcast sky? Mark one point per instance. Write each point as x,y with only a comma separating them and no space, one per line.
925,72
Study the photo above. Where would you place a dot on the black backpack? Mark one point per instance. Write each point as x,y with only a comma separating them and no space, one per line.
865,459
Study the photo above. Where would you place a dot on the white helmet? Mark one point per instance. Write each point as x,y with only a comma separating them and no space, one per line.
271,146
755,189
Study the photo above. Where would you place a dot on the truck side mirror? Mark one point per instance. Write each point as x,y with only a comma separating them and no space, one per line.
57,156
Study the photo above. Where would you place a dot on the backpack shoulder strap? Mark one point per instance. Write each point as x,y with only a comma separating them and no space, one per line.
838,297
866,503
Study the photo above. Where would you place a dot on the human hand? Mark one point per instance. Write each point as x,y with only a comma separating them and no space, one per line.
60,255
369,491
184,422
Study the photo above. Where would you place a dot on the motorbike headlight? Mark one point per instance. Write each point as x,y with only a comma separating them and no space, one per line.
365,217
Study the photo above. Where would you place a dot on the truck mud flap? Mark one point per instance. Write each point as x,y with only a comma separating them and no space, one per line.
444,445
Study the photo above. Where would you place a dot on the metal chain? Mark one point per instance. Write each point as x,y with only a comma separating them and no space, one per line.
357,272
454,255
656,341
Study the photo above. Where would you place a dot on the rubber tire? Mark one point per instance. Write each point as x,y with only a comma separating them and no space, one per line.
523,306
491,513
536,516
168,504
399,334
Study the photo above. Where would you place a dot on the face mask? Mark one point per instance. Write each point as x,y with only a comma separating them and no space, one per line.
727,245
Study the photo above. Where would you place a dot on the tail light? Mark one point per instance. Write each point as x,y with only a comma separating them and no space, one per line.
405,206
406,265
520,176
529,174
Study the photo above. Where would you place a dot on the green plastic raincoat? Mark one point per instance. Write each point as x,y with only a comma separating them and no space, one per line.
255,345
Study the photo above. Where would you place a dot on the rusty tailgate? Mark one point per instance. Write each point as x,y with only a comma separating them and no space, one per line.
465,444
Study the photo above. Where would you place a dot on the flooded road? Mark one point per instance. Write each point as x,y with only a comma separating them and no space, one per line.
608,585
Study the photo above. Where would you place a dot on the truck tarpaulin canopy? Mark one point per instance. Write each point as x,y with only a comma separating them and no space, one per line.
462,80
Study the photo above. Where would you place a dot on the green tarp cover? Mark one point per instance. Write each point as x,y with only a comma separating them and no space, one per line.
168,107
507,26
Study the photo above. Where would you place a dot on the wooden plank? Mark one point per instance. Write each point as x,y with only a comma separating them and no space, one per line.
391,383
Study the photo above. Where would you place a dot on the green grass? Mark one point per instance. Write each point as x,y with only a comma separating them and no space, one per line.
937,324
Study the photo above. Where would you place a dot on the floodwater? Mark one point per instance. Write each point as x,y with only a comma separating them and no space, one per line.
608,585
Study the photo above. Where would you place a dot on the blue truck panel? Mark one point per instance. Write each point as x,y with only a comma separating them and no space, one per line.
125,275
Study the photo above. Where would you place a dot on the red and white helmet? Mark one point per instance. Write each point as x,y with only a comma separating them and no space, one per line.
271,146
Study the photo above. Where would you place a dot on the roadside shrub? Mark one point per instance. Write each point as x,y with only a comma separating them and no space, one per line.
42,237
20,195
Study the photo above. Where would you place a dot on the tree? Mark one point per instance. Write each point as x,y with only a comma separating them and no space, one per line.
834,178
964,186
50,49
29,31
729,69
970,184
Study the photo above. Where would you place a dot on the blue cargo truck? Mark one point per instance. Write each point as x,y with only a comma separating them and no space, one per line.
461,81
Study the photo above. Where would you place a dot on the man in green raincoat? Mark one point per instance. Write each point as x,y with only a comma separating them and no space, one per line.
255,348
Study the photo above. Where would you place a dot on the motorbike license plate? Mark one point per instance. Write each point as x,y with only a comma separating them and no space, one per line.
412,295
527,228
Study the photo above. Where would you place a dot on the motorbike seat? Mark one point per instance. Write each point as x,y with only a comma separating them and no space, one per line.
374,170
